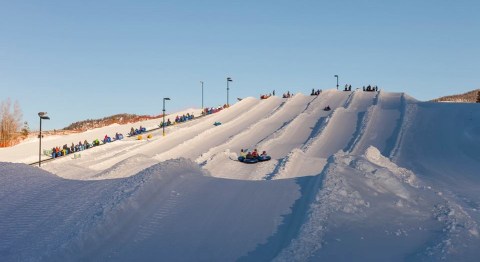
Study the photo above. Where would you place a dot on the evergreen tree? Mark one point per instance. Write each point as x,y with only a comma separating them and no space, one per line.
25,129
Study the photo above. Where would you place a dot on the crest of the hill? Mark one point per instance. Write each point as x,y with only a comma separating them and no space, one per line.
109,120
469,97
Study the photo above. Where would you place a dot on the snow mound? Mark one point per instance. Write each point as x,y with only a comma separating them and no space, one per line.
364,190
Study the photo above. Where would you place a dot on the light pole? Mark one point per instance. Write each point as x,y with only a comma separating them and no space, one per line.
228,80
337,80
165,98
42,115
202,96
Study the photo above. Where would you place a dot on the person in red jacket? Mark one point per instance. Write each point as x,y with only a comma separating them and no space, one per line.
255,153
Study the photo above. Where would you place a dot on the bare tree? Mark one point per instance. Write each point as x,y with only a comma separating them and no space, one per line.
10,122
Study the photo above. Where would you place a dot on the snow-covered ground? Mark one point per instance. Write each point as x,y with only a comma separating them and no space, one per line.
380,177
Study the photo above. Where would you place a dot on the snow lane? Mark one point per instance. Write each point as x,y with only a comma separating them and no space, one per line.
300,133
381,121
192,148
250,137
101,159
334,133
341,126
297,133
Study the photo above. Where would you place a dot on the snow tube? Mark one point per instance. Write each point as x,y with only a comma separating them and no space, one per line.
247,160
217,123
263,158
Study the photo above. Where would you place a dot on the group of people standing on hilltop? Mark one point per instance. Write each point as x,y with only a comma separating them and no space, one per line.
370,88
287,95
318,91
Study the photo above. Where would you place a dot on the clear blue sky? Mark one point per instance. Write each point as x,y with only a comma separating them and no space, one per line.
90,59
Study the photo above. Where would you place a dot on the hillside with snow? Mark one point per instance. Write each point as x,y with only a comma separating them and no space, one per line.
380,177
468,97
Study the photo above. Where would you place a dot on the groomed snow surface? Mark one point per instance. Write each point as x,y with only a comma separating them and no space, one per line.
380,177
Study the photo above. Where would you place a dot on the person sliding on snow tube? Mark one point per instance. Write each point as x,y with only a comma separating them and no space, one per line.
249,159
242,155
54,153
263,157
249,155
255,153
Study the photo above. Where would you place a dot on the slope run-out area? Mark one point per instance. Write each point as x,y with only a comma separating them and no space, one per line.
337,182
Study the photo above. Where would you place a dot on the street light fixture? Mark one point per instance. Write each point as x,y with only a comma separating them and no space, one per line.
229,79
337,80
165,98
202,96
42,115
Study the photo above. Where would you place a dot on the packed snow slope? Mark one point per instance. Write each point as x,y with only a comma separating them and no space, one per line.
380,177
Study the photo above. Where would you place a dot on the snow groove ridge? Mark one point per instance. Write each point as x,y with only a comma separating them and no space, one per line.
314,137
364,121
322,125
349,99
319,208
281,130
407,115
281,246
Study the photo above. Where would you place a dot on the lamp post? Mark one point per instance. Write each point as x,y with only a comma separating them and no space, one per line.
337,80
228,80
42,115
202,96
165,98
